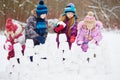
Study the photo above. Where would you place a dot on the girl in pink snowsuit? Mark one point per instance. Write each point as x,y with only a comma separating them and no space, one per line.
89,30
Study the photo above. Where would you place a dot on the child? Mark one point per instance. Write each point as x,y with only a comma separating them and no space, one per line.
14,34
89,30
36,28
67,24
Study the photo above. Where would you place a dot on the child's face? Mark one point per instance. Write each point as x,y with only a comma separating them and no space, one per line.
69,14
90,25
43,16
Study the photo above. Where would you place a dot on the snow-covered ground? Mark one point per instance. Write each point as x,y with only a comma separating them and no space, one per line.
103,61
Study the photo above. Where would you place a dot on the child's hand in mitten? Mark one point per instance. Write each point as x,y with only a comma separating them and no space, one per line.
58,28
72,39
61,26
61,23
89,37
8,46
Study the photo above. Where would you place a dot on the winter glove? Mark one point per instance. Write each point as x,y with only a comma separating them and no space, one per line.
72,39
89,37
84,46
59,28
8,46
41,39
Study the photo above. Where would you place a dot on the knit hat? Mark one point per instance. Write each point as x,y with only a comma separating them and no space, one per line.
14,28
90,17
70,8
41,8
9,25
90,20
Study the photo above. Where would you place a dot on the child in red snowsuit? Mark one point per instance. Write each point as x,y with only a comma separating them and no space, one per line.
14,34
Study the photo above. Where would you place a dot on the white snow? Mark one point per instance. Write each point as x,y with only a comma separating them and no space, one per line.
105,66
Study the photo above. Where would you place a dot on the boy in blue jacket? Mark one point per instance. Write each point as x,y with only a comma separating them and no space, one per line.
36,27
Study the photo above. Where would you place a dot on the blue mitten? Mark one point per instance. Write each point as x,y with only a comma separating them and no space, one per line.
41,39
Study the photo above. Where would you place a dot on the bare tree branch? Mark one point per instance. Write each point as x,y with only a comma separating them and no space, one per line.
115,7
96,15
93,7
15,1
2,12
111,12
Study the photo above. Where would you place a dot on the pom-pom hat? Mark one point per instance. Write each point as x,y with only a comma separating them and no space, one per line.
90,17
70,8
41,8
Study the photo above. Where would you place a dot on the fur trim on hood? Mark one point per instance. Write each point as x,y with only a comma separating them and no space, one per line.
33,12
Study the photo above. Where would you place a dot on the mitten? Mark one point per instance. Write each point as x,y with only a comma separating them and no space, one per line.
72,39
59,28
90,38
84,46
41,39
8,46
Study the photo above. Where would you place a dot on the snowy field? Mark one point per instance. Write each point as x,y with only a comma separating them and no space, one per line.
99,63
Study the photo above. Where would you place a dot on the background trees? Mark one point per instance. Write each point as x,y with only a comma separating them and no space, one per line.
108,11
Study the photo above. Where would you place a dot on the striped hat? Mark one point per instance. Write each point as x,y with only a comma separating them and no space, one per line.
70,8
41,8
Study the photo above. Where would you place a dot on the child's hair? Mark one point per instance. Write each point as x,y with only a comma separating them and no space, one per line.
71,22
33,12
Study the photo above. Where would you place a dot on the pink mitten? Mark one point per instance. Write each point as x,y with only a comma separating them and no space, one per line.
72,39
8,46
59,28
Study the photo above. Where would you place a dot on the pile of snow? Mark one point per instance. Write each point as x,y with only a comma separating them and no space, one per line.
99,63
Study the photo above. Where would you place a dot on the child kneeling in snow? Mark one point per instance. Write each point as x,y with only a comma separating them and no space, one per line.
67,24
36,27
14,34
89,31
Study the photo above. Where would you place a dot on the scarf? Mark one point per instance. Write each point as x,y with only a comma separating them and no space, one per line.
41,23
41,26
